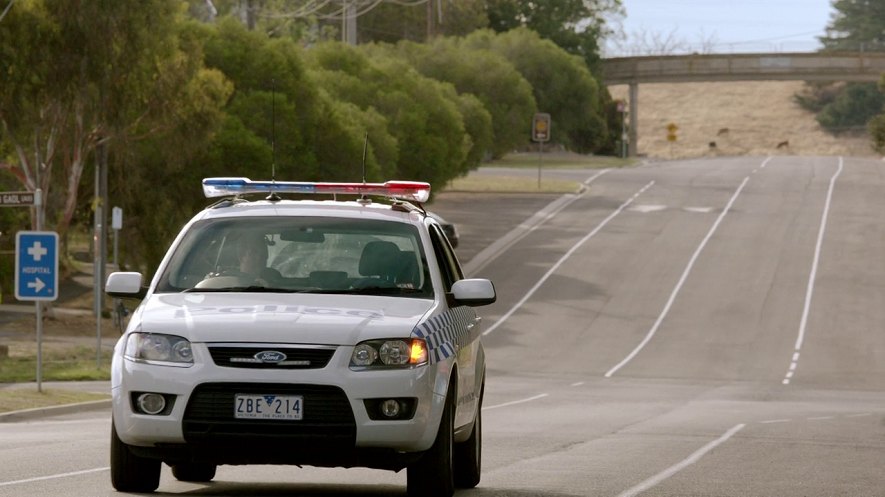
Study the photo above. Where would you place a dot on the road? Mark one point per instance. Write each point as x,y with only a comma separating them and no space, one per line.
692,328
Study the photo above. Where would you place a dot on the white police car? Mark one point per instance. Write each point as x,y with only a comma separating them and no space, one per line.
307,332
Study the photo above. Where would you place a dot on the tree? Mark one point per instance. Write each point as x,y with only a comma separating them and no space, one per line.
646,42
274,117
853,106
421,113
397,21
561,84
483,73
83,74
575,25
876,125
856,25
271,76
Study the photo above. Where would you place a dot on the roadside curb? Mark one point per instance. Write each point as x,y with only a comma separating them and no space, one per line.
44,412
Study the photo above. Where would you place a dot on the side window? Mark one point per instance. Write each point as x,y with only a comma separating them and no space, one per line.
449,267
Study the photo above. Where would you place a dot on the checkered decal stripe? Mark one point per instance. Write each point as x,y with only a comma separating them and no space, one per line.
447,332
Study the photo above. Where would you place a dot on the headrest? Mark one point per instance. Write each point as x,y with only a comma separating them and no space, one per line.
379,258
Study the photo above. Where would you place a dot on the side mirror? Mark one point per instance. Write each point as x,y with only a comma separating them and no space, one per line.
474,292
124,285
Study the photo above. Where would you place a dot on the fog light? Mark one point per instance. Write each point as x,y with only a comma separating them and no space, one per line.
390,408
393,409
151,403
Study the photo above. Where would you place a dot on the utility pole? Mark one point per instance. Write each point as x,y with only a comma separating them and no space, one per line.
348,21
250,14
99,242
430,30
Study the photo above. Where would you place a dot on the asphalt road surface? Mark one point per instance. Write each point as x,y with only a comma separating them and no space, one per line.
693,328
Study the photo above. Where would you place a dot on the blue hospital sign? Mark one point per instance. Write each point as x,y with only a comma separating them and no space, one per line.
36,265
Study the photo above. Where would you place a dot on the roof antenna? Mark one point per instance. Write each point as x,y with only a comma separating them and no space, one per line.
273,197
365,151
364,199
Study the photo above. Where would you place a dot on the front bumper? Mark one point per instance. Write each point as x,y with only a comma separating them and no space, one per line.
336,429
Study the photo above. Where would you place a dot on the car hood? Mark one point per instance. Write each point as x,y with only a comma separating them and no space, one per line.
280,318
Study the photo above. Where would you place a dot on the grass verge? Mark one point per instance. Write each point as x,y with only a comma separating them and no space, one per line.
560,161
490,181
511,184
20,398
76,363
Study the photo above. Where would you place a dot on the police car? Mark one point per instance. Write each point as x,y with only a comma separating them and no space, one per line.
322,332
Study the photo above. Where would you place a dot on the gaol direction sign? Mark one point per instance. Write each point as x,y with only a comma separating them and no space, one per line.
36,265
16,199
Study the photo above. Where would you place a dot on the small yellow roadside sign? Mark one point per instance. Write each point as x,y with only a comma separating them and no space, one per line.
671,132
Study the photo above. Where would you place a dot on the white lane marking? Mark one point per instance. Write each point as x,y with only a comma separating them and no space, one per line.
646,208
515,402
591,179
694,257
53,477
672,470
809,291
772,421
568,254
577,384
490,253
698,210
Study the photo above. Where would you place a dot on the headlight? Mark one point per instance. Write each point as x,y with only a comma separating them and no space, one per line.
154,348
398,353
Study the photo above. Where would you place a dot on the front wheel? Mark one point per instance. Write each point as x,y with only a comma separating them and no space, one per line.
129,472
468,455
433,474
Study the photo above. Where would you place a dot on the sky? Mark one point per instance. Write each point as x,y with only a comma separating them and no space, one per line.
728,26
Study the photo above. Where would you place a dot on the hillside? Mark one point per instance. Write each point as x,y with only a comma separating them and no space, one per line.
741,118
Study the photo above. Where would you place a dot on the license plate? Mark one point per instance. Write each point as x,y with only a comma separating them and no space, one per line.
286,407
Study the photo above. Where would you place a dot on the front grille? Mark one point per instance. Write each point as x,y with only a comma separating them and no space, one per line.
209,416
296,358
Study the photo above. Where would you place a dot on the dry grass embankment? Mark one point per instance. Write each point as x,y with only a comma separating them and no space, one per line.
742,118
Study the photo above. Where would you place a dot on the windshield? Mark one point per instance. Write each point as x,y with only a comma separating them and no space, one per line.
299,254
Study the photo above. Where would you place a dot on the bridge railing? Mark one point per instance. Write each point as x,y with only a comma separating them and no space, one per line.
858,66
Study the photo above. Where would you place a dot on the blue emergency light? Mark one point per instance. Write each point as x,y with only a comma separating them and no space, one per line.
416,191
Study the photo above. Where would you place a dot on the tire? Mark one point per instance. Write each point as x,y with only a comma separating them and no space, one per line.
130,473
194,472
468,455
433,474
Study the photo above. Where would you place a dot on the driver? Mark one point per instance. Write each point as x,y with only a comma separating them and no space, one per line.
252,258
252,255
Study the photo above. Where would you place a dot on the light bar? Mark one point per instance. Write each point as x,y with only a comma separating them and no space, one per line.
416,191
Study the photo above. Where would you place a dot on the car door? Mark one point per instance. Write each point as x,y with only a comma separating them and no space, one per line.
468,347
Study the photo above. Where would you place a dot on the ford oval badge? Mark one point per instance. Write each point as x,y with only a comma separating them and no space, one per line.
271,356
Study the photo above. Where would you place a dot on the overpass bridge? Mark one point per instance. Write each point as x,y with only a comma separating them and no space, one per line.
828,66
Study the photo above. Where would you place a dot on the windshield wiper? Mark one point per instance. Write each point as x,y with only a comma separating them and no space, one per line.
383,290
252,288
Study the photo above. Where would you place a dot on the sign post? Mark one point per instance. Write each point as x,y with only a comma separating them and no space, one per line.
116,225
672,128
36,278
540,134
622,109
